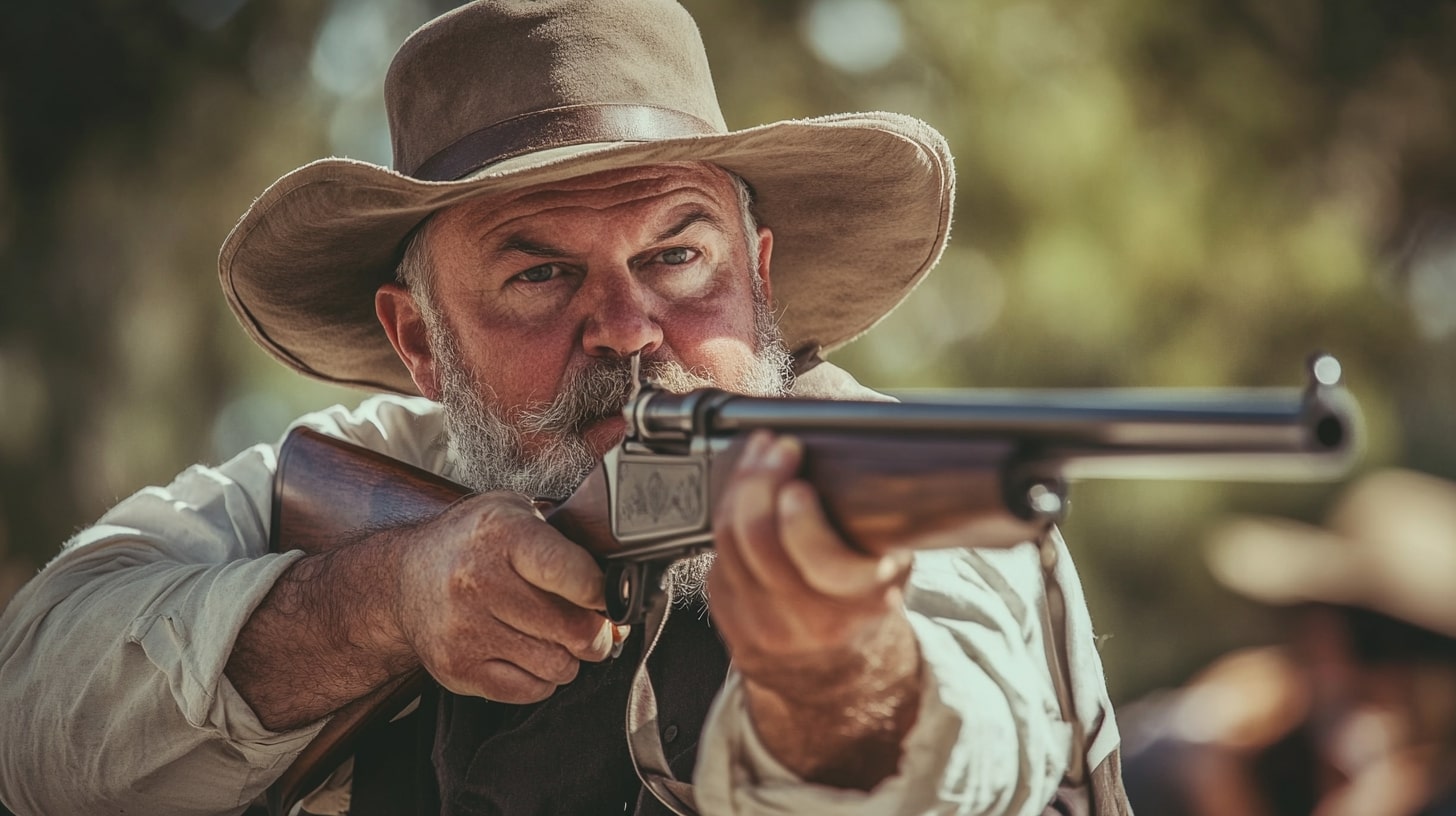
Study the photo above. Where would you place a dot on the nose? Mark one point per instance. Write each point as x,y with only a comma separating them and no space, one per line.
621,320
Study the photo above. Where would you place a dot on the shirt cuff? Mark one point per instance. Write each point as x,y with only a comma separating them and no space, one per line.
737,774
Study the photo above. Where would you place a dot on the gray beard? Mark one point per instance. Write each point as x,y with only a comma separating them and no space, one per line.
488,449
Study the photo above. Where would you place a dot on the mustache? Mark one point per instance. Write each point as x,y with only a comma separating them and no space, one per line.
599,390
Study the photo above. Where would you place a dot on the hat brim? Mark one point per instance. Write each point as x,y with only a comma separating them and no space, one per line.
1285,563
1282,562
860,206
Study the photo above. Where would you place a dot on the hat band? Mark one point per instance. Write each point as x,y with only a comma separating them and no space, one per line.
558,127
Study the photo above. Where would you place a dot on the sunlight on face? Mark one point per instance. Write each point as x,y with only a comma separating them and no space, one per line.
550,291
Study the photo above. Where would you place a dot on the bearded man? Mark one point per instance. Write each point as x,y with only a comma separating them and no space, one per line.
567,200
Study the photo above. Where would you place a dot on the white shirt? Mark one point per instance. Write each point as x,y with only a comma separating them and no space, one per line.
113,697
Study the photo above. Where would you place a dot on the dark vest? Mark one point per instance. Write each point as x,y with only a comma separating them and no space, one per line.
564,755
568,754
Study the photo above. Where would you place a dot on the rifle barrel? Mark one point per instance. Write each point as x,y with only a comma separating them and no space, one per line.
1260,434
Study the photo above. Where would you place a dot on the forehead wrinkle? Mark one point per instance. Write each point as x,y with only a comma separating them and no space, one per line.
703,174
626,194
696,214
623,186
477,221
528,238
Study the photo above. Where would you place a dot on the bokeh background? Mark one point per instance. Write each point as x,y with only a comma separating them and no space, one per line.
1196,193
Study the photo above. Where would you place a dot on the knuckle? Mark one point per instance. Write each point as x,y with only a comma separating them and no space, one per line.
461,580
446,668
555,666
584,634
551,564
537,690
513,685
495,513
490,512
753,528
566,672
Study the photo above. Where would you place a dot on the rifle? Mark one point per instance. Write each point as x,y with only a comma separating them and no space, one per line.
962,469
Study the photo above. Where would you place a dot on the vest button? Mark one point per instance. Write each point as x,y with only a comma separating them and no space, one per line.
669,733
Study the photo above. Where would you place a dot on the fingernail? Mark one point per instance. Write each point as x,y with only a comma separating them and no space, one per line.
792,500
892,563
619,639
773,458
753,451
778,453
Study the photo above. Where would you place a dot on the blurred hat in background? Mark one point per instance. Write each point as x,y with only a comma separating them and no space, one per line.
1388,545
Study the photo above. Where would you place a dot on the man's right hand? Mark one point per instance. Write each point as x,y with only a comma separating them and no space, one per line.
491,599
497,604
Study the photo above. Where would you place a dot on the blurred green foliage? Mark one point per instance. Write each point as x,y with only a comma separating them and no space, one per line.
1160,194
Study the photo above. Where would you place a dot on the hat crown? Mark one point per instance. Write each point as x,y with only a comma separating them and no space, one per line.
458,83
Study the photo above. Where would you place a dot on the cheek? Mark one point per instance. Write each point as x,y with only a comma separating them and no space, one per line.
517,365
712,337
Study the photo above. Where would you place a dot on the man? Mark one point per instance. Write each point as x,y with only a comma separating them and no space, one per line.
567,198
1354,710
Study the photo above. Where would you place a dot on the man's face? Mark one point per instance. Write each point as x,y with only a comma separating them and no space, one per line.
542,295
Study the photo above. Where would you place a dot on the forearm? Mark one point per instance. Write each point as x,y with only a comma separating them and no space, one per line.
116,674
985,739
849,732
326,633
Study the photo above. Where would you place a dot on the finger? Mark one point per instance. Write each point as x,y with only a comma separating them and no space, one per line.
824,561
554,564
547,662
728,563
505,682
466,665
753,512
585,634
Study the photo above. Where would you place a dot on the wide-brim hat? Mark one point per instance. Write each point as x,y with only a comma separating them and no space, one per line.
1388,545
497,96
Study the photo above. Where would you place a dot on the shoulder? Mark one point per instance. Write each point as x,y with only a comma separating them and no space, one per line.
829,381
410,429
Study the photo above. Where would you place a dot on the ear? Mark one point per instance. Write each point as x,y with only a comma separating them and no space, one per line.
765,252
405,325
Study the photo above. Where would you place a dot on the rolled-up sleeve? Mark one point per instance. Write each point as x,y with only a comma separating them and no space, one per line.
111,660
990,737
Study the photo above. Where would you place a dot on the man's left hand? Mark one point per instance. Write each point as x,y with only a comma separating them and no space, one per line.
817,628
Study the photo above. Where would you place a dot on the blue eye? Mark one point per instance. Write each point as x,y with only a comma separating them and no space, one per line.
539,274
677,255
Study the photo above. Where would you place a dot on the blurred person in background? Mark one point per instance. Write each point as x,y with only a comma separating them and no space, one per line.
1354,712
565,197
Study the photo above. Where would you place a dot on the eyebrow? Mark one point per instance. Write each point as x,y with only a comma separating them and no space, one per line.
526,246
518,244
696,216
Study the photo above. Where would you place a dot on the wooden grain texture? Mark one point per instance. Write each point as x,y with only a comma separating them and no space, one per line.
330,492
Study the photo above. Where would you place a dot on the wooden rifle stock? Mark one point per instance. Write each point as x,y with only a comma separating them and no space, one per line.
328,493
990,472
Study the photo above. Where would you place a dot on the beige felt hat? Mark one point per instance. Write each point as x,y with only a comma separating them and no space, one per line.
499,95
1389,545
